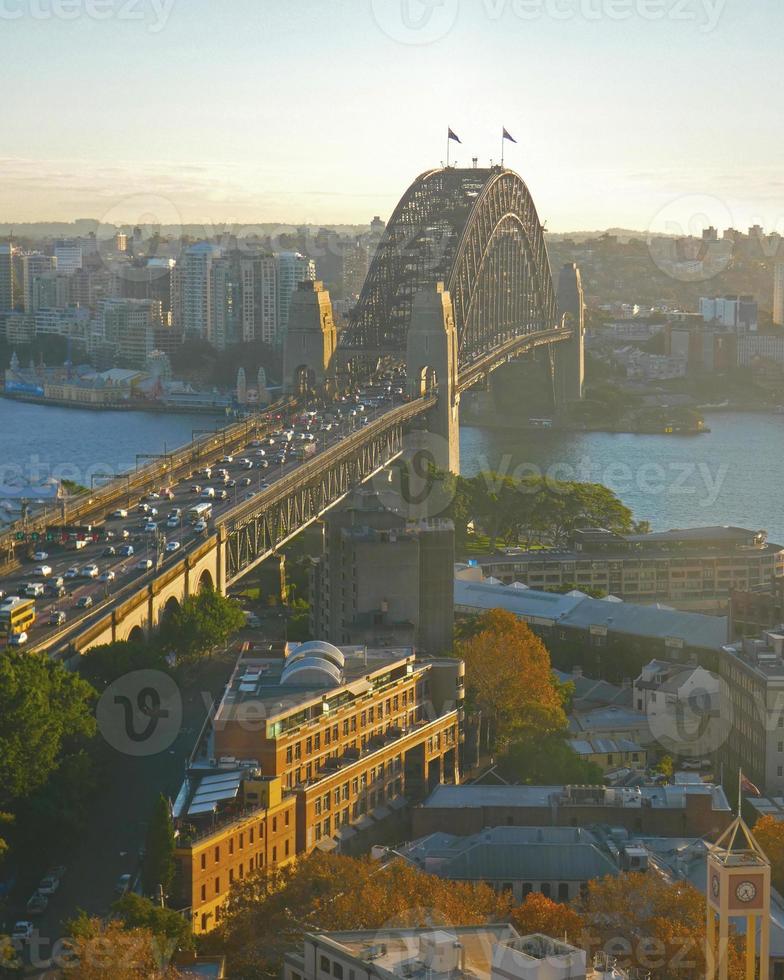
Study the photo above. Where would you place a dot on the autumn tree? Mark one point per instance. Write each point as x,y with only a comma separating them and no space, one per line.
268,912
653,924
109,951
509,680
769,834
541,914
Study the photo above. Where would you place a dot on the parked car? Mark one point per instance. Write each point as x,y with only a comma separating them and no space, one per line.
84,602
37,904
122,885
57,618
48,885
22,931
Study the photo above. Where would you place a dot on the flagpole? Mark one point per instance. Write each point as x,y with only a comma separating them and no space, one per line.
447,148
502,148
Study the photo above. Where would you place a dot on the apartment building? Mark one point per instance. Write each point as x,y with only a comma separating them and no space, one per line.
753,673
230,822
694,566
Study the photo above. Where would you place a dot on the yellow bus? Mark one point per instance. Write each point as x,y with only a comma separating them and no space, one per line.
16,615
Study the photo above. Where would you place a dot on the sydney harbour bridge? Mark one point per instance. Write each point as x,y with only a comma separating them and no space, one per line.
459,284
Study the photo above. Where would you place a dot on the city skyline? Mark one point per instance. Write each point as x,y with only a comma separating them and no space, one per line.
287,127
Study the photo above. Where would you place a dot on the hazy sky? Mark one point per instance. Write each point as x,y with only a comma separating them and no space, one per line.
633,113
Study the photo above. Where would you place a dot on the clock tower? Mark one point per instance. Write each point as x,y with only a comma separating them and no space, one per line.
738,886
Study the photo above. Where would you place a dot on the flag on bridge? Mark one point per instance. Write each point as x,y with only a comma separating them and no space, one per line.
508,136
453,136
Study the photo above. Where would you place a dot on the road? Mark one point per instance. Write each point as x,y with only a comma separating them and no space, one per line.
242,480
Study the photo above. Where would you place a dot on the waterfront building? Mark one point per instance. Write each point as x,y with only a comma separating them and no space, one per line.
694,566
382,579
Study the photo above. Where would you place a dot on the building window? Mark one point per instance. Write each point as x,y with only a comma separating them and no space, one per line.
203,862
231,876
337,970
289,754
546,889
563,891
274,854
286,848
308,745
217,885
324,964
231,845
217,854
274,825
298,750
286,818
204,893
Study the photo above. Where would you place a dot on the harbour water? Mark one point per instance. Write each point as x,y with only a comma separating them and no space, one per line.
732,475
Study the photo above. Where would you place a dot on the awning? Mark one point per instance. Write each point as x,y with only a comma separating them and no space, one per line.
364,822
381,813
399,803
327,844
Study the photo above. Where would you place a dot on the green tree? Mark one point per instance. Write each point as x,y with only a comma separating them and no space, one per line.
158,866
103,664
44,710
203,622
167,925
547,760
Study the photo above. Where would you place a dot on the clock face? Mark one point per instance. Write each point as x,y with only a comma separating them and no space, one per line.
715,886
746,891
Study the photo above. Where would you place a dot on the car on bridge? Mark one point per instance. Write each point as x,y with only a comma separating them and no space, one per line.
227,459
195,488
144,564
40,556
200,526
22,931
172,546
119,515
109,552
107,576
42,571
72,572
18,639
55,590
126,550
57,617
84,602
90,571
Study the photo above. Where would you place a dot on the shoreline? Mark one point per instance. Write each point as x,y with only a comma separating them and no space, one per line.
481,422
117,406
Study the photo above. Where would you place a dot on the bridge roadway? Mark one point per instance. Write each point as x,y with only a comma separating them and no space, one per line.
244,534
172,466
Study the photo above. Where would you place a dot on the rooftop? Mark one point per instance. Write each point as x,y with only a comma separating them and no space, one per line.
656,797
513,853
577,611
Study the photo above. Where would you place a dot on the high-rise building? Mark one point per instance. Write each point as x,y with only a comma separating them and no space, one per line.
35,264
384,579
293,268
47,291
6,276
196,284
355,268
738,313
68,255
129,326
778,294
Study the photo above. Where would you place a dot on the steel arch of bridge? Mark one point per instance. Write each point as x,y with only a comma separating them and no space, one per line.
478,232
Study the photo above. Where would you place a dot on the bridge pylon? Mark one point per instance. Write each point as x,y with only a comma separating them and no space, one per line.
431,366
569,356
311,339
